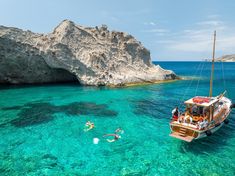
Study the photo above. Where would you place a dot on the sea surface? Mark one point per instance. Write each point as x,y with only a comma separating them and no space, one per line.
42,128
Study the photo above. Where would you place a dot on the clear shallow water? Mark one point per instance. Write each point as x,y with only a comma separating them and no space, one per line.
42,133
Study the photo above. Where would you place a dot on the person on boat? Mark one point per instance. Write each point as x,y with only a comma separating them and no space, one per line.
181,119
194,110
89,125
188,118
175,113
202,124
201,109
187,112
205,113
205,123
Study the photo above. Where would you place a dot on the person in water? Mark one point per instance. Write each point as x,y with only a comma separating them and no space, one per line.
115,135
119,130
89,125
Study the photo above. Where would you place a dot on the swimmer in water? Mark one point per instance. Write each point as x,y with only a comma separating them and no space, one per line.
116,137
89,125
119,130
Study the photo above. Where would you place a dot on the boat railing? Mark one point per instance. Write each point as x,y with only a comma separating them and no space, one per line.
192,121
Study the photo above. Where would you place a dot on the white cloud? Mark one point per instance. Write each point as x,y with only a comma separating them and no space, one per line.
107,15
151,23
133,12
155,28
190,46
210,23
196,42
213,16
165,41
200,39
158,30
227,44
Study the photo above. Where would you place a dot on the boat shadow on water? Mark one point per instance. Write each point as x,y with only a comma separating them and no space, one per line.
211,144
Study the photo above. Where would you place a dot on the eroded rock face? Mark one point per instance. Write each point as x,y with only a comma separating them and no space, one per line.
92,56
227,58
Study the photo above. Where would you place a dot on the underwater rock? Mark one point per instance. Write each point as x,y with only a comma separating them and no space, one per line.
73,53
38,113
150,108
12,108
87,108
34,114
49,156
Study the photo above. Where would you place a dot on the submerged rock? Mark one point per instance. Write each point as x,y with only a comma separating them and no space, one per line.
42,112
91,56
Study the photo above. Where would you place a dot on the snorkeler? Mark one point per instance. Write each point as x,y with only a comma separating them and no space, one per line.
116,137
88,126
119,130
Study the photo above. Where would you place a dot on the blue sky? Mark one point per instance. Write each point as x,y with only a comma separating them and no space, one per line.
170,29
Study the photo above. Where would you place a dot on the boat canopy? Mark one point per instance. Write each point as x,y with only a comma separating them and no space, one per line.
202,101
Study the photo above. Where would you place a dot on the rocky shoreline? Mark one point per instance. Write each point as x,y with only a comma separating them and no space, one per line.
73,53
226,58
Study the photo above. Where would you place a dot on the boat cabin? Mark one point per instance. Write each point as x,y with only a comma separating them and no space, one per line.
201,108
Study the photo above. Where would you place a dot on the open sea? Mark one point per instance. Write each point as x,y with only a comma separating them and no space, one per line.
42,128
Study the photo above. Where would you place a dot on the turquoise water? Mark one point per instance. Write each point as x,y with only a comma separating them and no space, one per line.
42,132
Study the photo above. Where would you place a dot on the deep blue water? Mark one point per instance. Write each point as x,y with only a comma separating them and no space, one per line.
42,128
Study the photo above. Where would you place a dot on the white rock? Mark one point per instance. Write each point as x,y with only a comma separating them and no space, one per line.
93,56
226,58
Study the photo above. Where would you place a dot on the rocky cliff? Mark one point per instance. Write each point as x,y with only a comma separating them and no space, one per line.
227,58
91,56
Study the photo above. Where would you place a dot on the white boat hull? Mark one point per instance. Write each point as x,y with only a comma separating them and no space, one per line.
228,103
203,134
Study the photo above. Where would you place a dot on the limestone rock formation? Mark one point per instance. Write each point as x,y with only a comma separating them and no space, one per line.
226,58
92,56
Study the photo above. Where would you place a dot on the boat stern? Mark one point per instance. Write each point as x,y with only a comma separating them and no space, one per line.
183,133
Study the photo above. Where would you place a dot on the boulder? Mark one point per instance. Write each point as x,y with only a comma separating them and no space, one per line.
91,56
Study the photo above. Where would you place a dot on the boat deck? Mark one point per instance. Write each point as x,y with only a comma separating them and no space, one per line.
186,125
179,136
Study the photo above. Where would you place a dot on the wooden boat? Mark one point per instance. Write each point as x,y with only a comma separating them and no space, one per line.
203,115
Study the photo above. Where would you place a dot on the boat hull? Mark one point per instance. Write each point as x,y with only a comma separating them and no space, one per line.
213,130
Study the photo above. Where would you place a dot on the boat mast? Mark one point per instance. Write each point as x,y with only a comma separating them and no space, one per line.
212,69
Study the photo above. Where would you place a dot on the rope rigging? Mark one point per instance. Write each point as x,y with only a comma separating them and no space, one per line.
199,78
181,101
198,73
223,77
